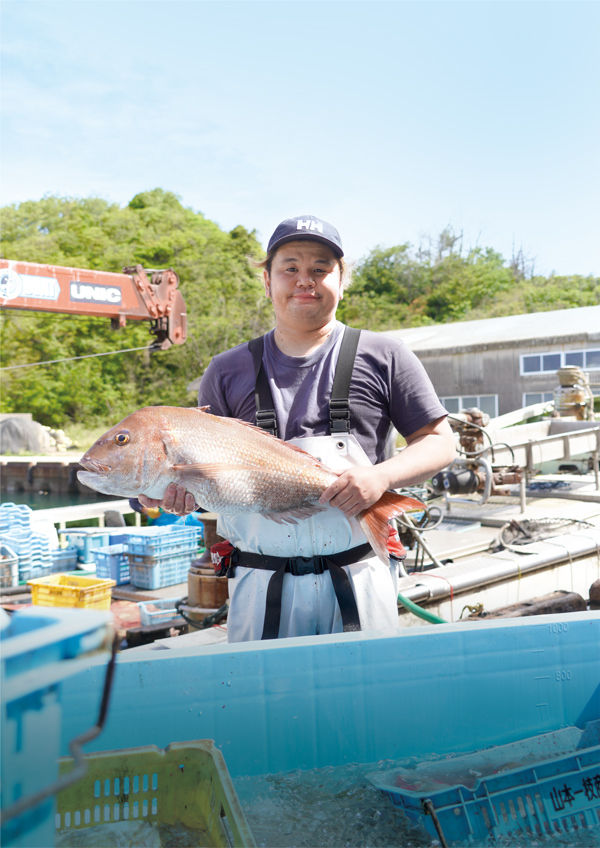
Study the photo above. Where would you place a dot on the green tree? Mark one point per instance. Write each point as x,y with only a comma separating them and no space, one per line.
224,299
439,283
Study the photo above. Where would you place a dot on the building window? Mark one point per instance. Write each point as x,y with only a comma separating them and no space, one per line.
537,397
574,357
592,359
486,403
548,363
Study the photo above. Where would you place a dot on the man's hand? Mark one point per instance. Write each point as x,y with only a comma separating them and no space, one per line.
356,489
177,500
428,450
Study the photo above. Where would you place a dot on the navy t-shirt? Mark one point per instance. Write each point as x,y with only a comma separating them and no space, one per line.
389,387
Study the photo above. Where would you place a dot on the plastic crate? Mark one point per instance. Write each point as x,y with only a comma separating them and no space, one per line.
86,540
112,562
120,535
162,611
40,650
186,783
149,573
64,559
32,549
164,541
15,517
542,785
32,572
70,590
9,567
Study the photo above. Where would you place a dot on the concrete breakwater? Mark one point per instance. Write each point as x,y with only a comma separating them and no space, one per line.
48,474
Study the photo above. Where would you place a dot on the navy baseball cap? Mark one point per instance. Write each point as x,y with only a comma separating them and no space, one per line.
306,227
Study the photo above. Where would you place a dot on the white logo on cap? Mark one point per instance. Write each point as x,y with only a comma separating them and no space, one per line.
309,225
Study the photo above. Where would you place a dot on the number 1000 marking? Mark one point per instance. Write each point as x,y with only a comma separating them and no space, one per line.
558,627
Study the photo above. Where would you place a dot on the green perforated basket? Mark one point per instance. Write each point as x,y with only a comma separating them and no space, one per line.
186,784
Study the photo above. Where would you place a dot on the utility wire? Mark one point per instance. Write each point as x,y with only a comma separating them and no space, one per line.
72,358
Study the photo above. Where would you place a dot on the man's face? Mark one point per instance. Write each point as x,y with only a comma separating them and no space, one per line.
304,284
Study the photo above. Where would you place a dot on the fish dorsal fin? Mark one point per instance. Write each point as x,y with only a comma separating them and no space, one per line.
201,408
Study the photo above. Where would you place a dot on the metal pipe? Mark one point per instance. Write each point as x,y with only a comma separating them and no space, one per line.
523,491
421,540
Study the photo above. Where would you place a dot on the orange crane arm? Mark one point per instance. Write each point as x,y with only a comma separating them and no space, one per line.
74,291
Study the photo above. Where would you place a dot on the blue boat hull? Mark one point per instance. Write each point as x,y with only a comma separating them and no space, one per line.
318,701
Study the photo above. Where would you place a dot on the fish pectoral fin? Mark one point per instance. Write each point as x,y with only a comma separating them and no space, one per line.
209,471
293,516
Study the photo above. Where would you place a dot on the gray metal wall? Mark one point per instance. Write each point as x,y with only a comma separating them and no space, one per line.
491,372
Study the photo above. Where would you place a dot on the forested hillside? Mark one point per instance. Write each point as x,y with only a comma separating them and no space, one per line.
439,283
393,287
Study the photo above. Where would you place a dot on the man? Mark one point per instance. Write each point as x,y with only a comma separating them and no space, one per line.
319,576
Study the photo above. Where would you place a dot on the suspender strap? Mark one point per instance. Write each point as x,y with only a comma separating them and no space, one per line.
339,407
263,397
306,565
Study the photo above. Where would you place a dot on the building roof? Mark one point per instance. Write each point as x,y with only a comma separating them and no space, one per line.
536,328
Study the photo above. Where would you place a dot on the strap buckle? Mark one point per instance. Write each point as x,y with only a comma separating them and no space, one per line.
267,420
299,566
339,415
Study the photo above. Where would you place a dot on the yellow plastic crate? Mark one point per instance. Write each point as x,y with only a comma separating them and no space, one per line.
66,590
186,784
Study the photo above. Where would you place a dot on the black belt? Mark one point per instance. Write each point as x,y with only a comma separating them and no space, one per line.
306,565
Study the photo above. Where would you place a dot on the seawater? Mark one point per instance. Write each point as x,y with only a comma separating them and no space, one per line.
332,807
51,500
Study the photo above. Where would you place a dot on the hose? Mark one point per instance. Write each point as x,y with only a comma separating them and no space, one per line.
431,617
430,810
208,621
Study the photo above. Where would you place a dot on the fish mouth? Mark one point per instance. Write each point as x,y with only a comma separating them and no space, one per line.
93,466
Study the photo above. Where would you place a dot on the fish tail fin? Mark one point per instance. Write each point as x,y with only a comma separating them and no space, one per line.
375,520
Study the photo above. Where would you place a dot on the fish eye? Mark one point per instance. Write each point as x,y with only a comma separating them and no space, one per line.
121,439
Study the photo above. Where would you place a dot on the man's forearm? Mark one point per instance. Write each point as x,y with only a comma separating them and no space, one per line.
423,457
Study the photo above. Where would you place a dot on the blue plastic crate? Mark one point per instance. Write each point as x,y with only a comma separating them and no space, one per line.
40,649
155,573
164,541
86,540
112,562
32,549
15,517
155,612
121,535
64,559
542,785
28,572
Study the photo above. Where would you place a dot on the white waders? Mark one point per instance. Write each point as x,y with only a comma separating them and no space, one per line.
308,602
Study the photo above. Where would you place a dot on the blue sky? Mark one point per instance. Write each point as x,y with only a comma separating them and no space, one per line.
391,119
